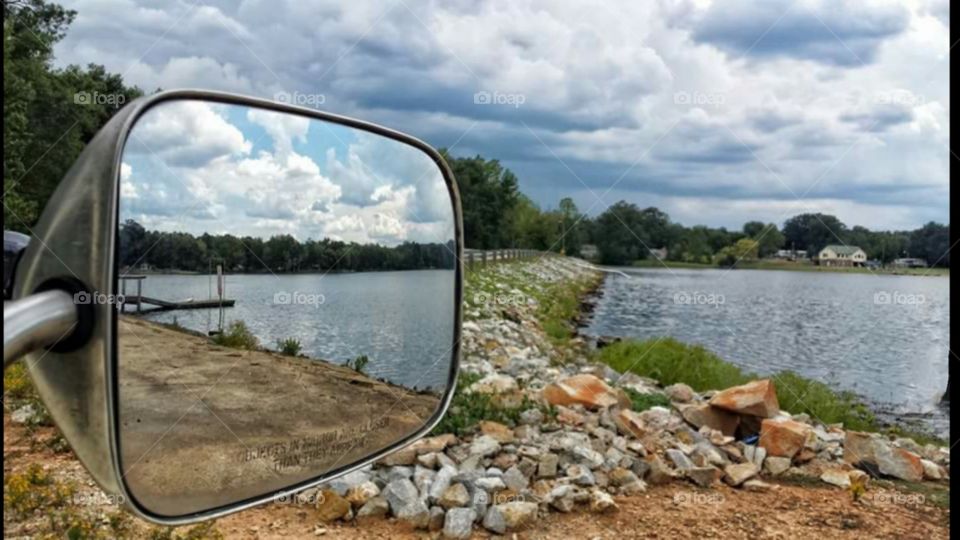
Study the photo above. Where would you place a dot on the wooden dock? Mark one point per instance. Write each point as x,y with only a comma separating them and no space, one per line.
167,305
157,304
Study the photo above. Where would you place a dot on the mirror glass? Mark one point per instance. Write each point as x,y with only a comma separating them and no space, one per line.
288,300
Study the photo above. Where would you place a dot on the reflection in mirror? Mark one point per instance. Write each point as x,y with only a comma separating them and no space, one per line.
289,300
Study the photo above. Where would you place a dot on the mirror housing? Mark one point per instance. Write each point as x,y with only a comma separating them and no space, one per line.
75,247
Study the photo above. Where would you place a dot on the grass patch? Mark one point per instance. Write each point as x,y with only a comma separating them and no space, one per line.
642,402
289,346
470,408
237,336
669,361
358,364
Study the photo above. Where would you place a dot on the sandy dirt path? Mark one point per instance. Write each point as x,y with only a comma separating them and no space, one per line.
208,425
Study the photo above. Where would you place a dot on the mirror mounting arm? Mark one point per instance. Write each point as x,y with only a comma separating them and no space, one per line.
39,320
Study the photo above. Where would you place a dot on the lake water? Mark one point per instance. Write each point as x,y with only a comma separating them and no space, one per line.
883,337
402,321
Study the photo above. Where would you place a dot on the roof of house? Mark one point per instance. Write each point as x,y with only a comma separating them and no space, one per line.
843,250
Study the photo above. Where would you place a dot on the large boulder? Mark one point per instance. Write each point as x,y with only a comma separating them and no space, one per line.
783,438
874,455
704,414
757,398
583,389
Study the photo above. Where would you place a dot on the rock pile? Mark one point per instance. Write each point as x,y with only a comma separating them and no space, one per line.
504,477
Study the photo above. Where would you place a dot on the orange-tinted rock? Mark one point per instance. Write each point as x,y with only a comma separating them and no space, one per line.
902,464
498,431
757,398
331,507
629,423
875,455
583,389
704,414
783,438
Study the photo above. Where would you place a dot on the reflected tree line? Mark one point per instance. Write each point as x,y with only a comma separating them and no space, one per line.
157,250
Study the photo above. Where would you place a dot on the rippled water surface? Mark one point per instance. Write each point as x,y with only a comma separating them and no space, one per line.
403,321
884,337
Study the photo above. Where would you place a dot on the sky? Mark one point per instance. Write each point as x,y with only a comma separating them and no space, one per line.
200,167
718,112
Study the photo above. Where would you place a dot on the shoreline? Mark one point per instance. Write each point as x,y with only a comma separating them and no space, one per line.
300,273
794,267
887,417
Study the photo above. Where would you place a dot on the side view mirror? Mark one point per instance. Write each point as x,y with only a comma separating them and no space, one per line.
263,297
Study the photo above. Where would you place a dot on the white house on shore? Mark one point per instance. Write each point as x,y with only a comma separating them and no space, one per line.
836,255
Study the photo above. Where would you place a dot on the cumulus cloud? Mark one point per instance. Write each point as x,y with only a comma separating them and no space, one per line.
843,32
188,133
678,101
282,190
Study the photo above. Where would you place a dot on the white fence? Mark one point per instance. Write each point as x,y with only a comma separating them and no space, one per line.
484,256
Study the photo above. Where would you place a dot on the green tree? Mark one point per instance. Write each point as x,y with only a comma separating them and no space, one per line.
813,231
769,238
47,119
488,192
570,230
744,249
931,243
621,237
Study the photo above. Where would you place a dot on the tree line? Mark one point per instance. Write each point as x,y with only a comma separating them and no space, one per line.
163,250
40,102
497,215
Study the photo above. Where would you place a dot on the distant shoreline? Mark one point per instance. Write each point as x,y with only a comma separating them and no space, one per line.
796,267
173,272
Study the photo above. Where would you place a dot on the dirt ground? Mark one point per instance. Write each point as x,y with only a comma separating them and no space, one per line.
674,511
204,425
